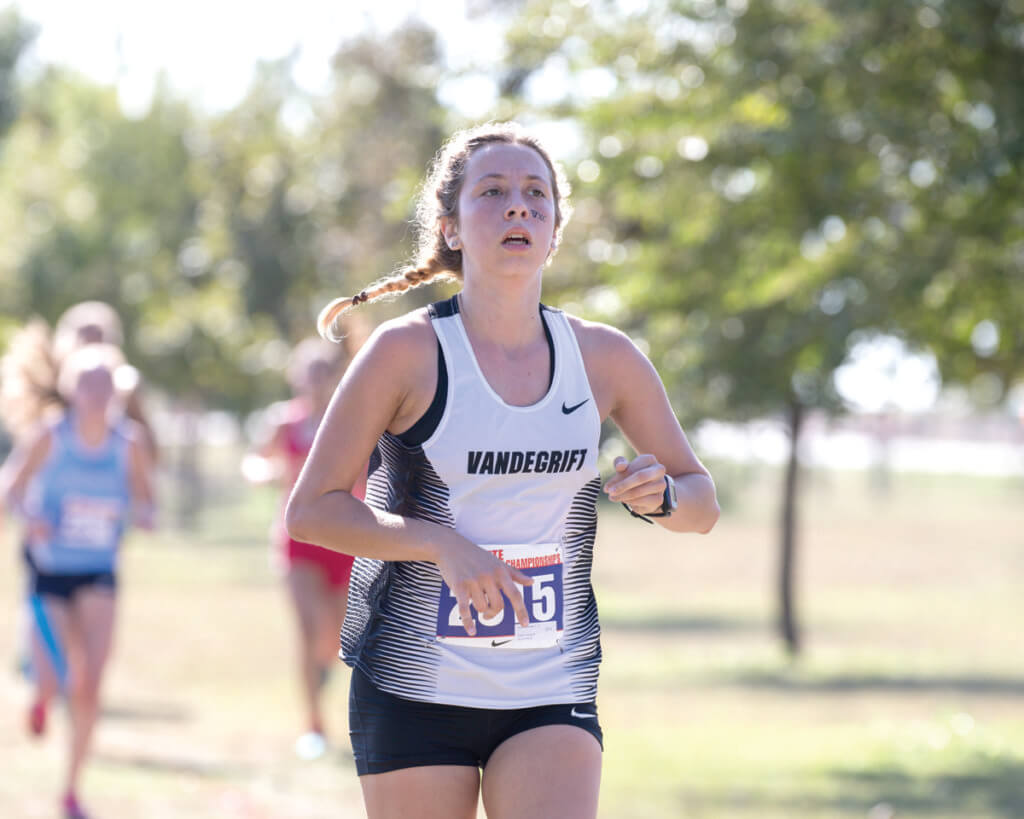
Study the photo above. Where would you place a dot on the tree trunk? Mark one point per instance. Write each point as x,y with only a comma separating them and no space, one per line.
787,564
189,489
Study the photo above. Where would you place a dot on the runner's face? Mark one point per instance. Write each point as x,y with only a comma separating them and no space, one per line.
506,210
93,390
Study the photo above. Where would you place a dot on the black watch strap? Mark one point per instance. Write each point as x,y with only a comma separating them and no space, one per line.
667,507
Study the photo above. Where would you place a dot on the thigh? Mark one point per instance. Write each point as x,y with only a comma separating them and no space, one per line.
306,588
50,637
554,770
427,792
93,609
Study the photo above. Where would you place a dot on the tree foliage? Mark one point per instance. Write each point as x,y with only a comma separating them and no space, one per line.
217,237
769,184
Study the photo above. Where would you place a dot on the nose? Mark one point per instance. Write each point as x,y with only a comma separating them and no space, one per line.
517,211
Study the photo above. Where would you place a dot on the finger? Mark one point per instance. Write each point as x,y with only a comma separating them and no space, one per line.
648,480
642,502
495,603
629,474
465,613
515,597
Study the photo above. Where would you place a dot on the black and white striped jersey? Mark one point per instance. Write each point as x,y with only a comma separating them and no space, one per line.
520,481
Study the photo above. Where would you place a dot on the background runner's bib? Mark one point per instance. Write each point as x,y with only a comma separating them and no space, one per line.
497,474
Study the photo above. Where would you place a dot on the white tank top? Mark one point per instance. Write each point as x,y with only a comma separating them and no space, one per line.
521,481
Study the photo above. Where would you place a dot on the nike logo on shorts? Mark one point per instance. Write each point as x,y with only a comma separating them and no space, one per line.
497,643
580,715
566,410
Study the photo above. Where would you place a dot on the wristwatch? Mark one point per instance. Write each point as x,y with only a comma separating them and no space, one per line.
669,503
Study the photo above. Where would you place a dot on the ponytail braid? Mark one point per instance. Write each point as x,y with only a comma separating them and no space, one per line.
438,267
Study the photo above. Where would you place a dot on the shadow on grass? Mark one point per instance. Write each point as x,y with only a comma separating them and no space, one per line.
678,622
978,787
145,712
989,684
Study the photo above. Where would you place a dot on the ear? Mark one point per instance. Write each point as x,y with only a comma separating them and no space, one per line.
450,231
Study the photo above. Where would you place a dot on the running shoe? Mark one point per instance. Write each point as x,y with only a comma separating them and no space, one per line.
37,718
72,810
311,745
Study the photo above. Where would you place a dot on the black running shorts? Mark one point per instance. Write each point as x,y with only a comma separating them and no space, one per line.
66,586
389,732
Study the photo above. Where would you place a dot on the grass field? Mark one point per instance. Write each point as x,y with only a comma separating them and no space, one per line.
908,702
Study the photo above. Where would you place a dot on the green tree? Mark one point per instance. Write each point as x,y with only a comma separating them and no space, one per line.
218,237
770,182
15,36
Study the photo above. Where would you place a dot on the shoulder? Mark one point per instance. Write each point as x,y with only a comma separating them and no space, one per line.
39,440
281,413
603,344
35,446
618,370
131,431
402,340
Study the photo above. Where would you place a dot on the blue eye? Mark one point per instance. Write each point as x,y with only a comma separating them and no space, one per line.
490,191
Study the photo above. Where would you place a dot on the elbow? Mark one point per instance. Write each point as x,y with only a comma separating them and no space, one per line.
711,516
296,521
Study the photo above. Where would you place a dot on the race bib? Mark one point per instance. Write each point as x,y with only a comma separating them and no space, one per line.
89,523
542,562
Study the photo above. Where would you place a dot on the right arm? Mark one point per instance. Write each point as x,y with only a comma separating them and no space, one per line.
264,464
17,472
388,386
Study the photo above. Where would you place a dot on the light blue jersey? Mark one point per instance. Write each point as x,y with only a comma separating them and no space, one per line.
84,494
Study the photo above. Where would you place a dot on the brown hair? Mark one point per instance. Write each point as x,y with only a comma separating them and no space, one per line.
438,197
88,322
30,370
28,379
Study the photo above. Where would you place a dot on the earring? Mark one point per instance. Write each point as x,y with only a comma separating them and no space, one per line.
454,243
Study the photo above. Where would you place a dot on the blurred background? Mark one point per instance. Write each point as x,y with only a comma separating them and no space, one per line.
809,214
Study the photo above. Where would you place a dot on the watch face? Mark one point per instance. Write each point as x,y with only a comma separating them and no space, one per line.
671,501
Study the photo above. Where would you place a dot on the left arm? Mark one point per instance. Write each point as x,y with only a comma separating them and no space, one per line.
140,468
628,389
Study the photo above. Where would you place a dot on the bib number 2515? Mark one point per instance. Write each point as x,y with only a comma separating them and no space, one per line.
543,601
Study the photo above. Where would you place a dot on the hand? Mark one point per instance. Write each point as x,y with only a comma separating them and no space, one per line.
477,578
640,483
258,470
37,531
145,516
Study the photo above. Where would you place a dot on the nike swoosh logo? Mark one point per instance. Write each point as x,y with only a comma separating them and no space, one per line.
566,410
578,715
497,643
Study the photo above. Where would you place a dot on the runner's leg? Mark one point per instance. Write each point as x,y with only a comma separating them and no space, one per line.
306,590
46,681
90,635
428,792
553,770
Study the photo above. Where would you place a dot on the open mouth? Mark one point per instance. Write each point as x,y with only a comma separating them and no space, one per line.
516,238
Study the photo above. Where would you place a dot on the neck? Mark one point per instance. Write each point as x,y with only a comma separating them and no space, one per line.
90,427
505,315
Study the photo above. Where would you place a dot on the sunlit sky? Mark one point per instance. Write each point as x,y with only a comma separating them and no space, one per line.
208,47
